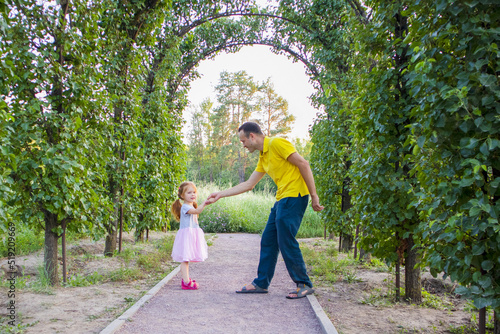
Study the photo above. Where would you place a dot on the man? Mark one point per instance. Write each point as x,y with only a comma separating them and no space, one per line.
293,176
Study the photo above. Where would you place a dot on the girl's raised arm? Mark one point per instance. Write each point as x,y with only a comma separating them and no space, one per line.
200,207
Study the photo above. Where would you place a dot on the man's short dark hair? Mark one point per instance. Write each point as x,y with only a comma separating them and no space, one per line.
250,127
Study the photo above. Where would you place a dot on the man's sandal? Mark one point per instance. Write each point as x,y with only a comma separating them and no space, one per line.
301,291
257,289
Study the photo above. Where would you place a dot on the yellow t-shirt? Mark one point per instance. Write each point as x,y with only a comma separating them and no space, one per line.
273,161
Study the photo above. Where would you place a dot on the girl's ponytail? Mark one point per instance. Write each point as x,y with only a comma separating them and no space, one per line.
176,210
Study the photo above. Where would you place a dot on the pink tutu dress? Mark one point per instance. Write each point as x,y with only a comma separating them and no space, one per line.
189,244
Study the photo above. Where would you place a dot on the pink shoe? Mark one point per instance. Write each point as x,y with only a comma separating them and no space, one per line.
192,285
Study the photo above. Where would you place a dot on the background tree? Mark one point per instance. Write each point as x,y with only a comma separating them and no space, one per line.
54,126
381,133
239,99
198,139
274,116
236,95
126,26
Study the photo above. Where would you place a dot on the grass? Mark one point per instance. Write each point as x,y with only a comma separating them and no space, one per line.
248,212
30,240
85,280
137,263
41,284
18,328
430,300
326,265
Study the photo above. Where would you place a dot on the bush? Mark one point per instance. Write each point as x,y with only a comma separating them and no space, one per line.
27,241
217,221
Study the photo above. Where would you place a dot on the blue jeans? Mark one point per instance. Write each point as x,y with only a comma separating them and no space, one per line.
279,235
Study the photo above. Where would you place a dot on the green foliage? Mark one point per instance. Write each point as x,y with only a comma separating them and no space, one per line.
76,126
85,280
456,135
381,173
434,301
6,328
421,133
329,170
326,265
27,241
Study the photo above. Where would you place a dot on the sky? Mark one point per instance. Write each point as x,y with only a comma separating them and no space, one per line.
289,79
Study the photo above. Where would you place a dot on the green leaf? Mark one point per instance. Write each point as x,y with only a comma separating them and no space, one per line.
466,182
484,149
487,265
488,80
477,249
421,141
482,302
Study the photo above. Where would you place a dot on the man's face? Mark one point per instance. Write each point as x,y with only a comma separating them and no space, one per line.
249,142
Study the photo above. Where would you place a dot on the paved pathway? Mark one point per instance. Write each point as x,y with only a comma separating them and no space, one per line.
215,307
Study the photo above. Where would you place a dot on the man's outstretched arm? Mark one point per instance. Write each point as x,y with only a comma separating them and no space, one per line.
238,189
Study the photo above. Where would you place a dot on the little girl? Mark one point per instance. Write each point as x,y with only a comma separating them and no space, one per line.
189,244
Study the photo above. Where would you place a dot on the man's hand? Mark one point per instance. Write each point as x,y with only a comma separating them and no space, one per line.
209,201
212,198
315,203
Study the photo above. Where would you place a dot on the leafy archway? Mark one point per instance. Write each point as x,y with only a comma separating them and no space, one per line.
92,101
92,95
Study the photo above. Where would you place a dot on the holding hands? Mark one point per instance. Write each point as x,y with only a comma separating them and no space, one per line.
212,198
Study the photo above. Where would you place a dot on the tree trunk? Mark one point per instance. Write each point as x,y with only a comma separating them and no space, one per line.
347,242
482,321
50,255
496,315
496,328
356,242
364,256
110,245
139,235
398,268
63,246
139,230
347,238
398,280
413,284
112,228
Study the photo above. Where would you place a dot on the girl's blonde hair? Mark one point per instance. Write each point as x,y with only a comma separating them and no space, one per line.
176,206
